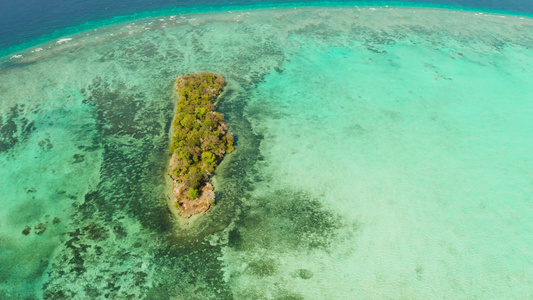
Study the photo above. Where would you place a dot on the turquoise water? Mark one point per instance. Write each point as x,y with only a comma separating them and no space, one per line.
381,153
58,22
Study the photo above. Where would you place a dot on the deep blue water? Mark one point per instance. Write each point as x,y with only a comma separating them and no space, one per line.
24,21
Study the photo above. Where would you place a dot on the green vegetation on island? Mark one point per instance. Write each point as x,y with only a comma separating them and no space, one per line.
200,139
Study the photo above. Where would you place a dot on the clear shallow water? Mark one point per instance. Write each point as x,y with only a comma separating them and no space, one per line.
380,152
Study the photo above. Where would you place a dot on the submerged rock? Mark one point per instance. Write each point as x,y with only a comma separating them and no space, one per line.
303,274
26,230
40,229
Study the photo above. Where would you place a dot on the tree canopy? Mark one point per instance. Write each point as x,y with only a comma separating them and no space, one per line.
200,136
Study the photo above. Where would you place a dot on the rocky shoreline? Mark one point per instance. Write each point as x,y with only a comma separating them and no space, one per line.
188,207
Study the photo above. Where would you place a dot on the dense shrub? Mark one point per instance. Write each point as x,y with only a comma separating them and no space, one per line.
193,193
200,136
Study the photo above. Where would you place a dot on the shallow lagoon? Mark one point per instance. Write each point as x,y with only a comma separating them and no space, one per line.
382,152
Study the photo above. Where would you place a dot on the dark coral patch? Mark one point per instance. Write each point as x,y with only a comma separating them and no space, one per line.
287,220
303,274
40,228
14,128
262,267
26,230
78,158
96,232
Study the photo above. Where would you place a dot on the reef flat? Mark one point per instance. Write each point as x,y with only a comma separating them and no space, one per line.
200,140
381,151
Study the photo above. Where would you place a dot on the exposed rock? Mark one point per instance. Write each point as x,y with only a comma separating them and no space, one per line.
187,207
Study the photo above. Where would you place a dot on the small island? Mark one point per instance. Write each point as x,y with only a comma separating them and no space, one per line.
200,140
